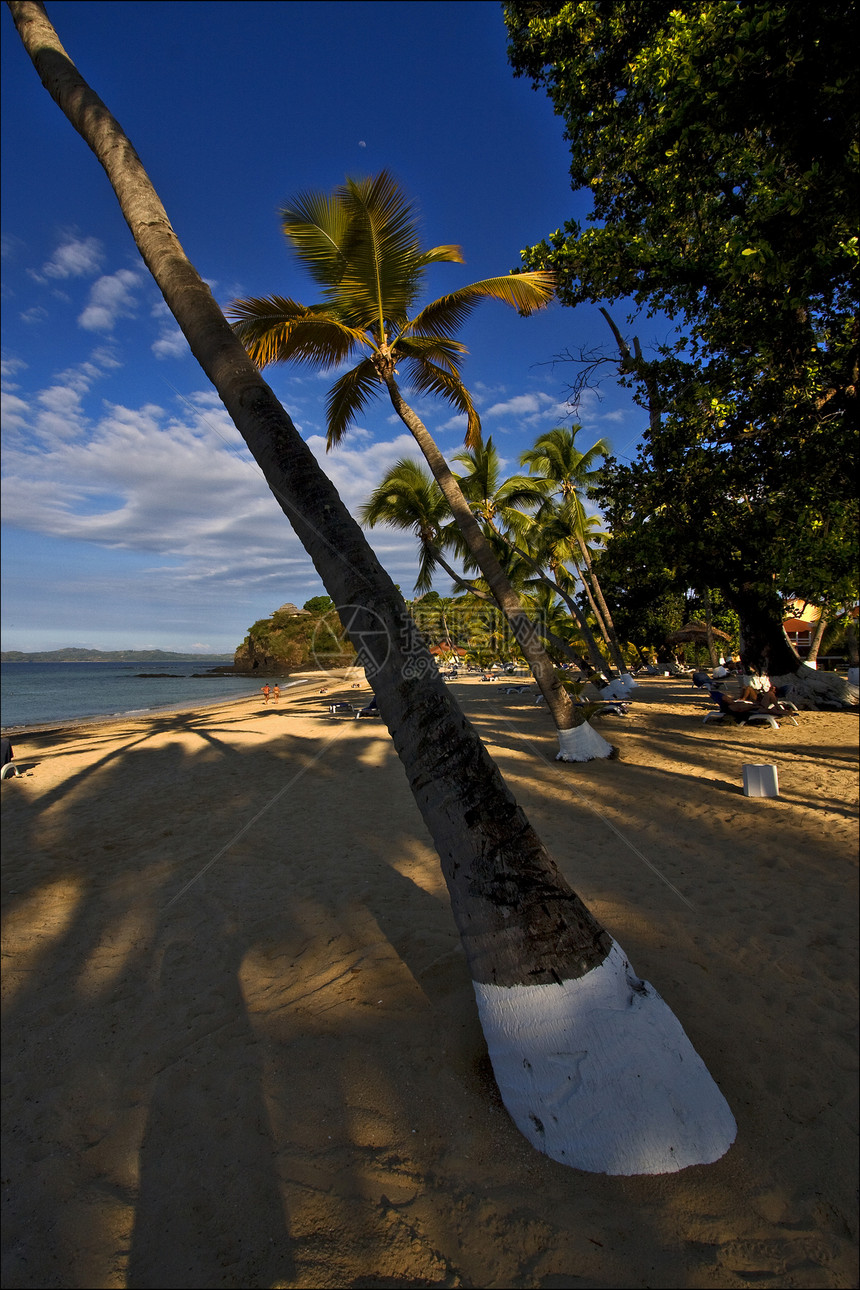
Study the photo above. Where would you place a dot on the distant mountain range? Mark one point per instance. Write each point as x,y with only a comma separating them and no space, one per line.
110,656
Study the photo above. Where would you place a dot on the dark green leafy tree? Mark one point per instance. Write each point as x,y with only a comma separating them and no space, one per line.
718,144
319,605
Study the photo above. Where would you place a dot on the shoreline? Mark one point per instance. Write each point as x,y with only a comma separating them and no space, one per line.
62,724
242,1046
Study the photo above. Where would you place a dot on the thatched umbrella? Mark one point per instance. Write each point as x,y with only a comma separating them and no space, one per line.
695,634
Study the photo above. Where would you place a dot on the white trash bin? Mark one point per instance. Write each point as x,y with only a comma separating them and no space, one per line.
761,781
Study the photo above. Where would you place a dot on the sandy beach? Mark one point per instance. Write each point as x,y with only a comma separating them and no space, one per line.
241,1046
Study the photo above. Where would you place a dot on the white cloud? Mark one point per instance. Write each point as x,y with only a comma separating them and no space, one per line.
36,314
77,257
9,368
14,412
170,343
520,405
56,413
356,471
182,488
111,297
105,358
458,423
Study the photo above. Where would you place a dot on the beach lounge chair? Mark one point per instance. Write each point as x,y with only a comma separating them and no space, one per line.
341,707
369,710
753,715
6,755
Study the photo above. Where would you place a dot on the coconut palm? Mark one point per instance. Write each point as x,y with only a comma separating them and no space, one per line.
560,474
495,502
361,246
554,537
560,1005
408,498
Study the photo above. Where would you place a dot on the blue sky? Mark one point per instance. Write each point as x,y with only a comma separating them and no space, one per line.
133,517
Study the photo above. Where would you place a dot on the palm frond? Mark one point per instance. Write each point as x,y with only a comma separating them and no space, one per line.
406,497
382,248
316,225
556,456
274,329
441,255
525,292
525,490
430,378
480,483
347,397
434,349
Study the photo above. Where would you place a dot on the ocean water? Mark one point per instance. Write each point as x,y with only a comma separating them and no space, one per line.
38,694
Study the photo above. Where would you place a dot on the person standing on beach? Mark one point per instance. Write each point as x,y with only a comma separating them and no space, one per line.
276,693
264,690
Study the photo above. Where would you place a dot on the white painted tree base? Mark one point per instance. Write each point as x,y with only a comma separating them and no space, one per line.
582,743
598,1074
621,688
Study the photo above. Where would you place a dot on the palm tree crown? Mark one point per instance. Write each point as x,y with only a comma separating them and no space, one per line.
409,498
561,469
361,246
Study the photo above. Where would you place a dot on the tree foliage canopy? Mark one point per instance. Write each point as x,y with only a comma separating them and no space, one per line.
719,143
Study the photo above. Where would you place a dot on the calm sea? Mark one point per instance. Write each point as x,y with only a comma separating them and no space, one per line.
38,694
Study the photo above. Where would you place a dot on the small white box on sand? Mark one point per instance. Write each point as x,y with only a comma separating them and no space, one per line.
761,781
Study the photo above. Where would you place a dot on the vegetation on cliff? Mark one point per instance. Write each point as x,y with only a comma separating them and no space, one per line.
295,640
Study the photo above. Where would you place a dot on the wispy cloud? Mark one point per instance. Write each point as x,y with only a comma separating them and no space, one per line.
181,487
111,298
76,257
9,369
170,342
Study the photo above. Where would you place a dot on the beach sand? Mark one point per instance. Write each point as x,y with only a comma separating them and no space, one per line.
242,1046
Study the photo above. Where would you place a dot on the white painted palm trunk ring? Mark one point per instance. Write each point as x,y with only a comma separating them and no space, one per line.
621,688
582,743
599,1074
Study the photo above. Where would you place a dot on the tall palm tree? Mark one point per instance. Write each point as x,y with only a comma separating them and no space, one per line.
408,498
559,1003
361,246
560,475
554,537
495,502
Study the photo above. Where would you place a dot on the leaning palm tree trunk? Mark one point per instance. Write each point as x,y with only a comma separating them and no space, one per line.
598,662
480,594
614,643
592,1065
596,614
564,712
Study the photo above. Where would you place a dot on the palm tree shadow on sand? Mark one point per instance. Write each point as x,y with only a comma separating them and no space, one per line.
209,1210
